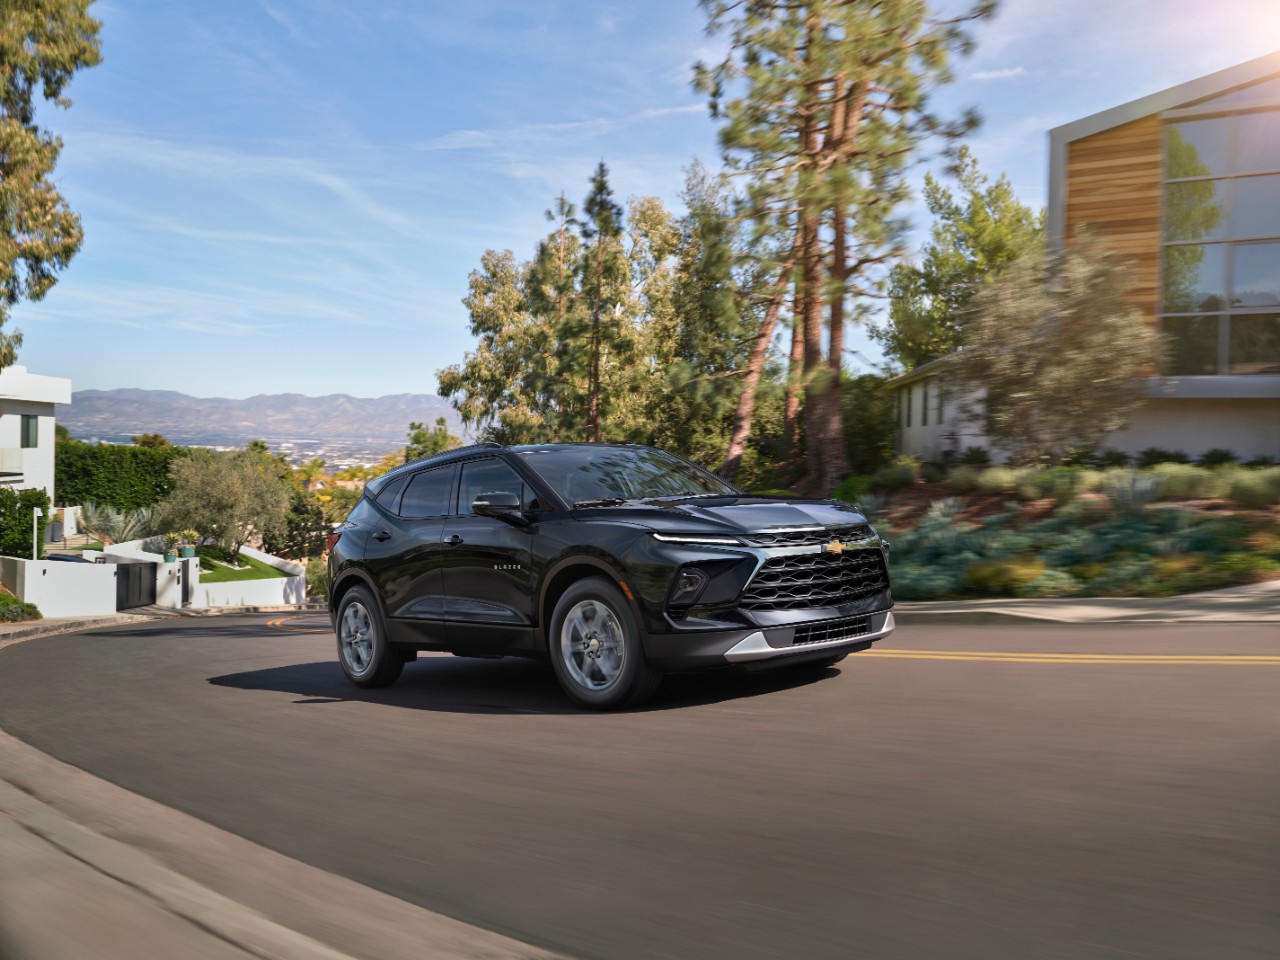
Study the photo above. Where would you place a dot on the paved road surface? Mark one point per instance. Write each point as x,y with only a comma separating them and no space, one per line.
1024,791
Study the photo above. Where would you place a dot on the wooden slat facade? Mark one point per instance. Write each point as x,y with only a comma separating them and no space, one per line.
1113,187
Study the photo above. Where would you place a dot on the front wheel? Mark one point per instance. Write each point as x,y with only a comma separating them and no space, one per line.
596,649
366,657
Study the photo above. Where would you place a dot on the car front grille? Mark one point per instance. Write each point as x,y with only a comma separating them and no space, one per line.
802,538
816,580
842,629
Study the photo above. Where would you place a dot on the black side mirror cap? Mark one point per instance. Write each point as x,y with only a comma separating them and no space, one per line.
500,504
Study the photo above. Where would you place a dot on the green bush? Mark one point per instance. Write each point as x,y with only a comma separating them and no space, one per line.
126,478
975,457
994,480
903,472
964,479
16,515
13,610
318,578
1255,489
1052,583
853,489
1004,577
1182,481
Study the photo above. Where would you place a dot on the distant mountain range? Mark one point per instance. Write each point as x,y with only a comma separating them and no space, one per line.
118,414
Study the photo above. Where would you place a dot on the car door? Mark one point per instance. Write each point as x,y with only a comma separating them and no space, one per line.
406,557
488,577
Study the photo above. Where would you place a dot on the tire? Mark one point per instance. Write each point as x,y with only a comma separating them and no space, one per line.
364,653
596,648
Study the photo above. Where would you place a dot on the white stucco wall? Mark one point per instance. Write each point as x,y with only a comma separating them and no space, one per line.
62,589
1250,428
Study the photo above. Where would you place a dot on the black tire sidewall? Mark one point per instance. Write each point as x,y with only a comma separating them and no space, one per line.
634,664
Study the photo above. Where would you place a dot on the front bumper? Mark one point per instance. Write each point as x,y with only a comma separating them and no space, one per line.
761,648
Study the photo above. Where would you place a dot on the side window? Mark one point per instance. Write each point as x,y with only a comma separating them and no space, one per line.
30,431
487,476
389,496
427,494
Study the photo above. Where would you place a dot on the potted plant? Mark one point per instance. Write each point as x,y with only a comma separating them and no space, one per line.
171,547
190,540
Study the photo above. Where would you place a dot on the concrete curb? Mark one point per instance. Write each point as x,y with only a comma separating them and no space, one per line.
41,628
214,915
229,889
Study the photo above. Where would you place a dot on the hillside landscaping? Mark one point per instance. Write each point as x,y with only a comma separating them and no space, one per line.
216,567
1167,529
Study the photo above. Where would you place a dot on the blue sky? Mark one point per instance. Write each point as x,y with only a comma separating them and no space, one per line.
287,196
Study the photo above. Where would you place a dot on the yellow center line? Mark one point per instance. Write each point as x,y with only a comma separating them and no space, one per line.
282,624
1115,658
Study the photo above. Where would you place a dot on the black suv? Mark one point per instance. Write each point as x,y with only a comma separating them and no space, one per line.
618,562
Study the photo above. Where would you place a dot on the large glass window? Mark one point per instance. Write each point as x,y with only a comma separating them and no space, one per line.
1220,276
428,493
30,431
489,476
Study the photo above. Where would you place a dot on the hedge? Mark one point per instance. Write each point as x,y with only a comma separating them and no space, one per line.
16,517
126,478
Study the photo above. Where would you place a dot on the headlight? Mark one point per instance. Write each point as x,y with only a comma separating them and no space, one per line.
698,539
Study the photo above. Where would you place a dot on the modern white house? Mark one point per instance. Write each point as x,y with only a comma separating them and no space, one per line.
27,427
1185,184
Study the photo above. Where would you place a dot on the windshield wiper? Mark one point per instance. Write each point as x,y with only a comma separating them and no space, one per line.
606,502
686,496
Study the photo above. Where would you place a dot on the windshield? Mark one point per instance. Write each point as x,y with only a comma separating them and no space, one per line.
598,473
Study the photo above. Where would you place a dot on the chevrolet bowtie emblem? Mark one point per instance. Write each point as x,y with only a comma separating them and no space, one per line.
834,547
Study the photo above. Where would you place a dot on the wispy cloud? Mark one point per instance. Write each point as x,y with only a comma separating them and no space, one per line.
504,138
1003,74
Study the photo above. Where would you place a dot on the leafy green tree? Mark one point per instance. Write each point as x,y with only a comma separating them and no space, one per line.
823,103
234,497
17,512
305,532
123,477
1055,352
426,443
42,44
153,440
870,422
976,233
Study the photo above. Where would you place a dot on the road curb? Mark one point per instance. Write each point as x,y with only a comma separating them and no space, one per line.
262,902
48,629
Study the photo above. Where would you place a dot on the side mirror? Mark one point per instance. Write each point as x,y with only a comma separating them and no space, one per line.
500,504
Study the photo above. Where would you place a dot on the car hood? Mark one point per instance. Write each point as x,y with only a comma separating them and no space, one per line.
732,515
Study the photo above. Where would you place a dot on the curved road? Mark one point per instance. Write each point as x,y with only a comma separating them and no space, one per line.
1025,791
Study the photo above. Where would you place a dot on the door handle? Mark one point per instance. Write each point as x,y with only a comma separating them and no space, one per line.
454,540
382,535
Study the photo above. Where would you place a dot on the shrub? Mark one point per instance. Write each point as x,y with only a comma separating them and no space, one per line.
1255,489
1052,583
1261,462
853,488
964,479
903,472
125,478
975,457
1004,576
16,515
1130,490
1153,455
317,578
1216,457
932,473
995,480
1181,481
13,610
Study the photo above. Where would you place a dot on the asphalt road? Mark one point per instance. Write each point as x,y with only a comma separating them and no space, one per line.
1024,791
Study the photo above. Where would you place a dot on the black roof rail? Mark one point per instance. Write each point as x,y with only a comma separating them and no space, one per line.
490,443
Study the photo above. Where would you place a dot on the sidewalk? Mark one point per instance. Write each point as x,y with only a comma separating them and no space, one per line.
1255,603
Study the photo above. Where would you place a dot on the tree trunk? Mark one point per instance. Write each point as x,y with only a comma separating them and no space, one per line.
751,382
595,350
795,377
832,463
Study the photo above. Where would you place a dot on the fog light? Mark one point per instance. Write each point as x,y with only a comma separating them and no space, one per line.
688,584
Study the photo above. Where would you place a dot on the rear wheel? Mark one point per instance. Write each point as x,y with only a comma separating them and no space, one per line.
596,648
367,658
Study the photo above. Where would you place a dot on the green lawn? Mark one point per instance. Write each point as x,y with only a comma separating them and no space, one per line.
213,572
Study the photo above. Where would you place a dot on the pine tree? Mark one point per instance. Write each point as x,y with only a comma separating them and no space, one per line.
824,102
42,44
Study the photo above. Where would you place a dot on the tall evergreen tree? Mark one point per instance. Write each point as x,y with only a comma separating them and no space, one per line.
824,102
42,44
